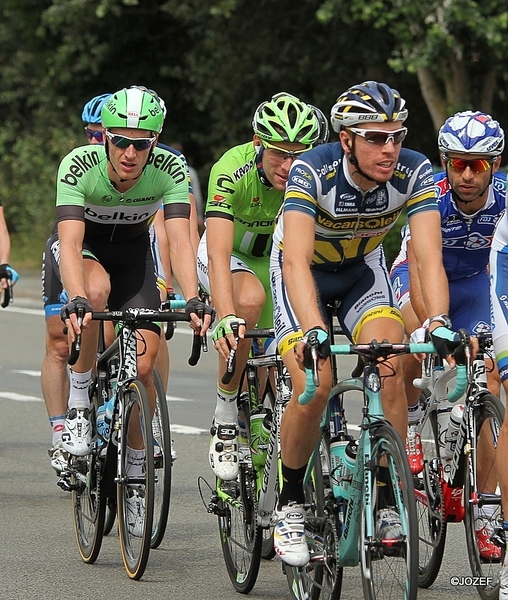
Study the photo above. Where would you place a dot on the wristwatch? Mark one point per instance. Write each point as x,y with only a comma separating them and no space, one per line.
443,319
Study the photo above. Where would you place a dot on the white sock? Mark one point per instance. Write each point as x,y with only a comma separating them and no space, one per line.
57,425
226,410
79,383
414,413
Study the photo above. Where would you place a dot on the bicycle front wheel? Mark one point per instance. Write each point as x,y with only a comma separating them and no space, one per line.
88,500
135,490
429,501
482,498
389,564
240,536
321,577
163,462
89,506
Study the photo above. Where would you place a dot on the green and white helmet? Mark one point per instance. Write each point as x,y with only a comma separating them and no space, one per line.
133,108
285,118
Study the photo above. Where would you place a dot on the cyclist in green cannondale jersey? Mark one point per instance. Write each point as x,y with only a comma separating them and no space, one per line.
245,194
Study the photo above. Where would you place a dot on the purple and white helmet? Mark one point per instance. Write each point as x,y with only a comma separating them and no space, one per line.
471,132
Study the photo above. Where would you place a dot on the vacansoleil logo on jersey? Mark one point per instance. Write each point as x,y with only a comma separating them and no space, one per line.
80,164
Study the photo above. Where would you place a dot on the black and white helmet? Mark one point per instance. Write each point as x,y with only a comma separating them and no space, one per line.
368,102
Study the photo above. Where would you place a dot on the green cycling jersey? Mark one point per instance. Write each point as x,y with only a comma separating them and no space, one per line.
84,192
236,192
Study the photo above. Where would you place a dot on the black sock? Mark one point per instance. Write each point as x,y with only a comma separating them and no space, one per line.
385,495
292,487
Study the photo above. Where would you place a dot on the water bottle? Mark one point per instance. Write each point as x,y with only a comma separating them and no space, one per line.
105,413
336,428
260,426
242,429
343,454
453,429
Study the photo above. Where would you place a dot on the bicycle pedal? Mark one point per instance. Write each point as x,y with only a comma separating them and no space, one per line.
213,507
65,484
498,537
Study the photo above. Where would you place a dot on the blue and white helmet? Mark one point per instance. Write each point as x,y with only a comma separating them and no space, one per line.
92,109
471,132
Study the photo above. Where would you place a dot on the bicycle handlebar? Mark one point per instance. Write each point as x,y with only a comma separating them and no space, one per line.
383,350
250,333
143,315
7,293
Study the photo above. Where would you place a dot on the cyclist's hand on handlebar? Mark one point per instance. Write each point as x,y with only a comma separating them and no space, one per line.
193,309
445,341
224,338
77,308
315,343
7,273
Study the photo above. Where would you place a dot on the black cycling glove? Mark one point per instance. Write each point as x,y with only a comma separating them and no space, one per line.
445,340
195,304
316,338
78,303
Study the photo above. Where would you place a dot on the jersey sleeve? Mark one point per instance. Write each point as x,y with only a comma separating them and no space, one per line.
421,189
222,188
70,183
301,189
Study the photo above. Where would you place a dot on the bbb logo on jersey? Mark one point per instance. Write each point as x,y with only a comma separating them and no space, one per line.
301,182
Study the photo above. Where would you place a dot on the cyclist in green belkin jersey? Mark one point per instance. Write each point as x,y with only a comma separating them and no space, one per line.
245,192
107,197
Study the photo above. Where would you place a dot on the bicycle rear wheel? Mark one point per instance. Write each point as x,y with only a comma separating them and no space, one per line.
482,495
321,577
389,567
163,462
240,536
429,501
135,490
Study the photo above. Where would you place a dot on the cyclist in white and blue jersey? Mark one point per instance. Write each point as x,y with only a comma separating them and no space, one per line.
341,200
471,195
499,303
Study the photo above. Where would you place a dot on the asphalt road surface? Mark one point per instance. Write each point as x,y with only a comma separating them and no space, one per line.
38,555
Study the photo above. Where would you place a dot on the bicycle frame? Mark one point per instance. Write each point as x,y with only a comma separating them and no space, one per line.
369,384
266,476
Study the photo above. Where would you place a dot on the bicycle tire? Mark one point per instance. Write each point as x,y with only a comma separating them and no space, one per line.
321,577
135,546
489,412
109,519
430,508
163,462
390,570
240,536
88,501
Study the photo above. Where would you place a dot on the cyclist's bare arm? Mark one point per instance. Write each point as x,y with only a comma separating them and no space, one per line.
183,264
299,231
219,241
5,244
194,229
71,234
427,248
415,289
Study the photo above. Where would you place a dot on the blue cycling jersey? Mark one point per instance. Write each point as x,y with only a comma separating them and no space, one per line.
467,238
